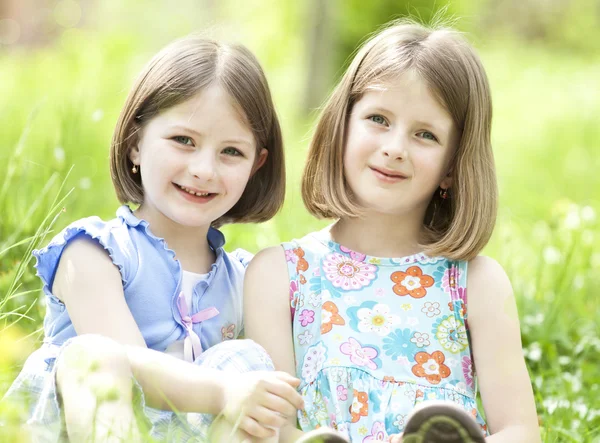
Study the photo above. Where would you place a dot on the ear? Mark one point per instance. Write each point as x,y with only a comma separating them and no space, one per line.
134,145
261,158
447,181
134,154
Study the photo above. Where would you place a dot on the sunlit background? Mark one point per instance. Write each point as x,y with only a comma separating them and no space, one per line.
66,66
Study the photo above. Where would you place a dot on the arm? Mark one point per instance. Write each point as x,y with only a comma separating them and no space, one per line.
90,286
505,386
267,316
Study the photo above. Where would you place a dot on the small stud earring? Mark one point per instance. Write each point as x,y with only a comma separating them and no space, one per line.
134,169
444,193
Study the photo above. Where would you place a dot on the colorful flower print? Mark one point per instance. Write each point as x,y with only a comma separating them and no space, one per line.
467,367
359,355
431,366
339,375
399,343
313,362
315,299
355,255
293,290
377,433
374,401
342,393
461,294
379,292
450,279
302,264
330,317
377,319
348,274
291,256
431,309
412,282
228,332
360,406
420,339
305,338
451,334
306,317
400,422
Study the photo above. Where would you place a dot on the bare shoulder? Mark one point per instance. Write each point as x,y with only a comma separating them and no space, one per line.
268,272
85,250
489,288
87,261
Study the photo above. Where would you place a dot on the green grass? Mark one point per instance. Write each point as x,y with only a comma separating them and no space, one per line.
546,139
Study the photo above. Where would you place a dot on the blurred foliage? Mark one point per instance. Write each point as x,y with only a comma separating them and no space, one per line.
61,93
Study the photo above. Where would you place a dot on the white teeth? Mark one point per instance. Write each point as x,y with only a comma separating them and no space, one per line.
189,191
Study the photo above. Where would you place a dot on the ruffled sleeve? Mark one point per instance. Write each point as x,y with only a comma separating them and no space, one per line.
113,236
243,256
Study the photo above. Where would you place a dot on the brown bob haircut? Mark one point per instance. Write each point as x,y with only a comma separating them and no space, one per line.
456,228
174,75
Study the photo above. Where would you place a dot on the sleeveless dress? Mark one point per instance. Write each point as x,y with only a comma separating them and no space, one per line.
373,337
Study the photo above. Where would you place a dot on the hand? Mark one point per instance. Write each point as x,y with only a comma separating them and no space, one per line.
395,438
261,401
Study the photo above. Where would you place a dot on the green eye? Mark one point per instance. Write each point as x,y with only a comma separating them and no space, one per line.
232,151
377,119
428,136
182,139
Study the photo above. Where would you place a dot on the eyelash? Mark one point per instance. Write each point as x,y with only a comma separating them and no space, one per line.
370,117
435,139
238,153
178,139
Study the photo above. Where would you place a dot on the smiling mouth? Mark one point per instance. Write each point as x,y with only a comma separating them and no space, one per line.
387,174
191,192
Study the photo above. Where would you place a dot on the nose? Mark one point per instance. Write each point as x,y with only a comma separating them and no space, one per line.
395,148
202,164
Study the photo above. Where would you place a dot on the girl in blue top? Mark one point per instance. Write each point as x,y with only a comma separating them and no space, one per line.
380,322
197,145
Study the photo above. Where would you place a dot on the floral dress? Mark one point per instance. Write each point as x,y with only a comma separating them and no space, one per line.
373,337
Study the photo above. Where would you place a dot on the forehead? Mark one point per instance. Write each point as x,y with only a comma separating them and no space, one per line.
210,108
407,94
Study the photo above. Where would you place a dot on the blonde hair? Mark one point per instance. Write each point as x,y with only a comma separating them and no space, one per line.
174,75
456,228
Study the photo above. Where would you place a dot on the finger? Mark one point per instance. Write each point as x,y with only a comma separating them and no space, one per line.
252,427
278,404
396,438
267,417
289,379
288,393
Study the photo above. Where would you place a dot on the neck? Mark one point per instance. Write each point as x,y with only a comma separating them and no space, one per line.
379,235
190,244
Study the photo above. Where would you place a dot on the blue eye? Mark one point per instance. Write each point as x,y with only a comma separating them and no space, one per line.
428,136
377,119
182,139
232,151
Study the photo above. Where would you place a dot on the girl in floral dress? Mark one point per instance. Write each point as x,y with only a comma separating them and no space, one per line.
380,319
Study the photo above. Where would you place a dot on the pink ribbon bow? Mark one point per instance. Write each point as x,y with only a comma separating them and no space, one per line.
192,348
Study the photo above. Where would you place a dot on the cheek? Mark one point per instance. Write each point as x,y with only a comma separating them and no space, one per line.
237,176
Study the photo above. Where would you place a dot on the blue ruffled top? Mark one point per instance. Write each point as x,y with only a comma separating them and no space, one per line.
151,277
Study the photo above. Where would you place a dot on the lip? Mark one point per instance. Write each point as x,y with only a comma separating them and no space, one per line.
192,197
387,175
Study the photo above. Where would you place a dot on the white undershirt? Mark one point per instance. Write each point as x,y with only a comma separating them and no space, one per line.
188,282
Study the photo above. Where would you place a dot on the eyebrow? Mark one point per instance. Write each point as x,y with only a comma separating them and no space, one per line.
199,135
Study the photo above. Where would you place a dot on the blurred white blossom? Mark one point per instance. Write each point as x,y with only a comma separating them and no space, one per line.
552,255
